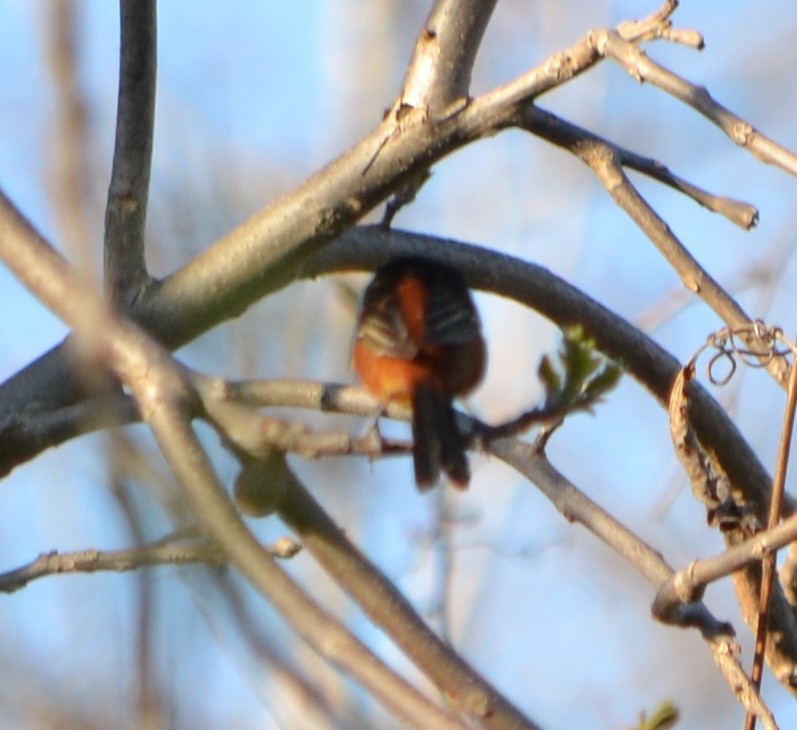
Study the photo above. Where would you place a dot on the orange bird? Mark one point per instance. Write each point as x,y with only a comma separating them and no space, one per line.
419,343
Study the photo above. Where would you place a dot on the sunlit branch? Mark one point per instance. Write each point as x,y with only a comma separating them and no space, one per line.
379,598
438,76
641,67
579,141
176,552
262,254
693,579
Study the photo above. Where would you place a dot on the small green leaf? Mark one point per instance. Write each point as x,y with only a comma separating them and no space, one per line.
581,376
664,717
550,378
604,381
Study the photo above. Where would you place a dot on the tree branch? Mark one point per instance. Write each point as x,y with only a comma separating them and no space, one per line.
640,67
166,402
70,180
126,213
577,507
261,255
464,688
438,76
762,636
218,517
582,143
170,552
677,598
366,248
602,159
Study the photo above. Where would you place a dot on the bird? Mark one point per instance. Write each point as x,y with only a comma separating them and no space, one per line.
419,343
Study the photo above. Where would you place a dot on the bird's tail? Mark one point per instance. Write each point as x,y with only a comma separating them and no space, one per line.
437,442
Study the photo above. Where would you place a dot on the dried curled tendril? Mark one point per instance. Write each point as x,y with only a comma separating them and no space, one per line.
732,344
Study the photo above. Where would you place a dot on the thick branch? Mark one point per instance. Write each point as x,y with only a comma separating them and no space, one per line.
438,76
534,286
262,254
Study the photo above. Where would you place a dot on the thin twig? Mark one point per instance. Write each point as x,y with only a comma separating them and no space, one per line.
151,705
577,140
603,159
229,407
700,573
312,704
562,67
768,561
70,181
171,552
577,507
611,45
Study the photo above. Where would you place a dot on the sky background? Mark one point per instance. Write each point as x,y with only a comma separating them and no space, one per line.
252,98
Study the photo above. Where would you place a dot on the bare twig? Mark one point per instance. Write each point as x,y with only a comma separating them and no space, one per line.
151,705
172,550
230,407
577,507
327,636
604,160
768,561
242,428
566,65
693,579
581,142
724,656
164,552
611,45
725,510
126,215
70,182
686,611
356,401
312,704
658,25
